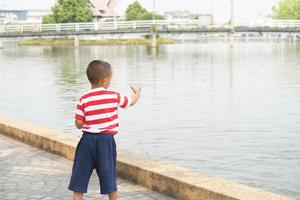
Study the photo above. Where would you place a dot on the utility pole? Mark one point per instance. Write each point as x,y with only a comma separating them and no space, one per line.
153,41
1,39
212,12
153,10
231,24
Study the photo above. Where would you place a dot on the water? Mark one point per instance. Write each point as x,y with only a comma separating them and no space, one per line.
228,112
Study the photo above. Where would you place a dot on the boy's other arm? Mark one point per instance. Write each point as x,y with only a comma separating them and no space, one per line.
136,95
78,123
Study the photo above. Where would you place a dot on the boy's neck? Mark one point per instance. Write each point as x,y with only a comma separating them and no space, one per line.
97,86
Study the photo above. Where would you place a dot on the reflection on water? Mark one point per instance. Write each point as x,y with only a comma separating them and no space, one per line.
229,112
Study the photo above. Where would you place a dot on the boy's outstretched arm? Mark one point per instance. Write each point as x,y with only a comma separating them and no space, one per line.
78,123
136,94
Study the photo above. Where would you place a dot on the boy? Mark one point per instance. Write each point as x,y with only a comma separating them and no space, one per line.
97,116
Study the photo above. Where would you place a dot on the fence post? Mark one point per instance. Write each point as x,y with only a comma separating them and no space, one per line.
57,27
77,27
96,26
247,37
115,24
21,28
134,25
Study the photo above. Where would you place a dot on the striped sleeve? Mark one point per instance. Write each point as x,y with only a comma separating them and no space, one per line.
79,111
123,100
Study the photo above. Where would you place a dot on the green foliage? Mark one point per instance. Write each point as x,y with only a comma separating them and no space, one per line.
48,19
136,12
159,17
287,9
69,11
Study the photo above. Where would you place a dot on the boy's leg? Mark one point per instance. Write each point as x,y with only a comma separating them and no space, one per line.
82,167
77,196
106,165
113,195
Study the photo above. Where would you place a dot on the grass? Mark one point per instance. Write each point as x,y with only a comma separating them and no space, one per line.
66,42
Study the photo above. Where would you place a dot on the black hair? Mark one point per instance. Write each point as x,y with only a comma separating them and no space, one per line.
97,70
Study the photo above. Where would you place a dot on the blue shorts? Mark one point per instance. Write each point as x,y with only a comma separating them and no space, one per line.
95,150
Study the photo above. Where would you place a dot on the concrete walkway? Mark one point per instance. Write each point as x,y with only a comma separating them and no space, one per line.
29,173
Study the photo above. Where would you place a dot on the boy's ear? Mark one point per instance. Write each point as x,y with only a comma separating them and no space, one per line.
104,80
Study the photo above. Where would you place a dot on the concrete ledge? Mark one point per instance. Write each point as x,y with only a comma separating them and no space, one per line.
176,181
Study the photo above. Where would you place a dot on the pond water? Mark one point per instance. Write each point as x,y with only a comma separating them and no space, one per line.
228,112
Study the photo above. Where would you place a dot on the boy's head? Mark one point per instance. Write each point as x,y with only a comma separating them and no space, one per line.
99,73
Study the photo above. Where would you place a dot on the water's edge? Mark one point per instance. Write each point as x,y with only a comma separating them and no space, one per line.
170,179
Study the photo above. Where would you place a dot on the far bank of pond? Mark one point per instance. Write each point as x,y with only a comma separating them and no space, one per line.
128,41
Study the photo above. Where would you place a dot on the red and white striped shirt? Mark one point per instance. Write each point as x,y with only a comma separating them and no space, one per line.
98,109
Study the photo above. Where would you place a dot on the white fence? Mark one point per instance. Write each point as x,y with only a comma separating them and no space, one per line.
133,25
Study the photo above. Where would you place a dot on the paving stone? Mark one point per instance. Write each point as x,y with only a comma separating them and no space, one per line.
28,173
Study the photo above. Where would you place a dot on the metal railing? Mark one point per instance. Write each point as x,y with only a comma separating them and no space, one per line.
149,24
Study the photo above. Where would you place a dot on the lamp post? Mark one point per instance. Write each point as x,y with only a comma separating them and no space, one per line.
212,11
231,12
1,39
231,24
153,10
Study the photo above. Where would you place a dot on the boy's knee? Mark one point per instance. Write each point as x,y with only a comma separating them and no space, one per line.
113,195
77,195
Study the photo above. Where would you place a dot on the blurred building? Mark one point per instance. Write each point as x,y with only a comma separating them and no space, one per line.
101,8
22,16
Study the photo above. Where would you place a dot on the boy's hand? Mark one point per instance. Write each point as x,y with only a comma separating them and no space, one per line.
136,94
78,123
135,89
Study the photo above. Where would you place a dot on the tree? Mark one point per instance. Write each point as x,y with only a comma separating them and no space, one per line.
287,9
136,12
69,11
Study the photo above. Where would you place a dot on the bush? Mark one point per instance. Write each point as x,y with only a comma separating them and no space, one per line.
136,12
287,9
